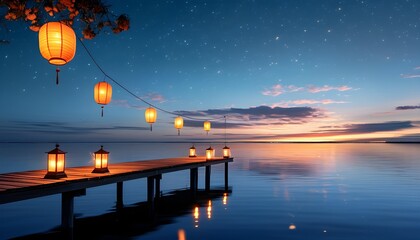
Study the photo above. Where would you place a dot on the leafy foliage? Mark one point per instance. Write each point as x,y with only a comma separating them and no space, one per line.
92,15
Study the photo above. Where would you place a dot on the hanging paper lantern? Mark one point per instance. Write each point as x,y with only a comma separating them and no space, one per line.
207,126
57,43
178,123
102,94
150,114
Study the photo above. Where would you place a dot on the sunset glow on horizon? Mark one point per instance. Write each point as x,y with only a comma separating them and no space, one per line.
280,71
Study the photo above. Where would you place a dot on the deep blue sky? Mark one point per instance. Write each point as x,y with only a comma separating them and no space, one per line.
280,70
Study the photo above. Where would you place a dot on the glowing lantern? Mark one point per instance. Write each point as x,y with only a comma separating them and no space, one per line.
207,126
210,153
102,94
150,114
178,123
57,43
56,164
226,152
192,151
100,159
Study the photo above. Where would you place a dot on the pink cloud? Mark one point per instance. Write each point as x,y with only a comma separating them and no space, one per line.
274,91
326,88
307,102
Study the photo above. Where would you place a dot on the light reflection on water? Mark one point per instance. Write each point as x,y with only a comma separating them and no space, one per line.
279,191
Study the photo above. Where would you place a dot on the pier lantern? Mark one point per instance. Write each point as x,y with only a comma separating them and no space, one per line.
210,153
100,159
226,152
102,93
207,126
192,151
150,115
57,44
56,160
179,123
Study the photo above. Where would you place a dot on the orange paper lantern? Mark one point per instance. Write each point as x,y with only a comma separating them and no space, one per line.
57,43
102,94
150,115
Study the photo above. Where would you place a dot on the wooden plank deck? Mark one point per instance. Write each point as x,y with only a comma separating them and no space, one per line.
31,184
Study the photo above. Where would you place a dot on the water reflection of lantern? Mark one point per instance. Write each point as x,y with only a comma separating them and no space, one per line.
207,126
192,151
101,161
178,123
196,216
224,198
209,209
102,94
181,234
57,44
226,152
210,153
56,161
150,114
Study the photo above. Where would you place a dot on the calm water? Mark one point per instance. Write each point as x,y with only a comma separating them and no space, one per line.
279,191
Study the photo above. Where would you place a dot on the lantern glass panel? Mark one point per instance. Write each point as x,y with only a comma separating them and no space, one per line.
192,152
60,162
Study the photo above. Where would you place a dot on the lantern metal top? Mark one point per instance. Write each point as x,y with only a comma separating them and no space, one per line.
209,148
226,147
56,150
192,147
101,151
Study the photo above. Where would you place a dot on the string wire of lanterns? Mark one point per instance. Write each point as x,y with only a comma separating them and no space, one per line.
150,113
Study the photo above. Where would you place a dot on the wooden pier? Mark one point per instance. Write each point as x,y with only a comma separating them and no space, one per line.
31,184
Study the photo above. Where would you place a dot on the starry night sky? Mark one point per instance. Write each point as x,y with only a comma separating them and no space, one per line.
281,70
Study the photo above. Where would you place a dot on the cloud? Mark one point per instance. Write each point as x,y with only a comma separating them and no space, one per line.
326,88
279,89
156,97
261,115
62,128
410,75
407,107
310,101
273,91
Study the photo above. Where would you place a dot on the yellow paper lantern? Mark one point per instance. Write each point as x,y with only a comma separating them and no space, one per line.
207,126
57,43
192,152
56,161
102,94
100,159
178,123
150,115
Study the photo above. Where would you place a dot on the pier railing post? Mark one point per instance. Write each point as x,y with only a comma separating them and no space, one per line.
226,176
207,183
120,203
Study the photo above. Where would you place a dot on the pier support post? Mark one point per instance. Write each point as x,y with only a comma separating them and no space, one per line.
207,183
120,203
194,181
226,176
151,193
67,211
157,187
